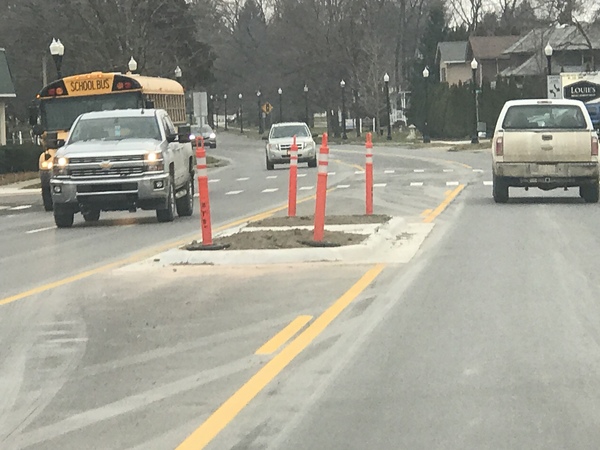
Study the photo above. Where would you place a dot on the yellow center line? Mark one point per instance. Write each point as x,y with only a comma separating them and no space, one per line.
234,404
142,255
442,206
284,335
356,166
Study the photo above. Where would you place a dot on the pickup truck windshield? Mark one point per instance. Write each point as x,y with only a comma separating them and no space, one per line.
111,128
544,116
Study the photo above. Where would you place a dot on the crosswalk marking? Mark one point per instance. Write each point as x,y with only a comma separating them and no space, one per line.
270,190
233,192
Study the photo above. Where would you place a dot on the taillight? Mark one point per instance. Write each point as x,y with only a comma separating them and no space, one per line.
500,146
594,146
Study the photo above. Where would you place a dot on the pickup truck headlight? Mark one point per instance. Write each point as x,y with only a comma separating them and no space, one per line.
154,162
59,165
212,136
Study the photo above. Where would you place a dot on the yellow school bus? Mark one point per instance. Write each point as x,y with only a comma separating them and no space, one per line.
62,101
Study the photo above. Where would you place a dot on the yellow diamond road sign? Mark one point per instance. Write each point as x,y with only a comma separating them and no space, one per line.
267,108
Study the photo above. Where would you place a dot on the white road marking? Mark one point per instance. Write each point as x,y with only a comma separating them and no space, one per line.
448,170
451,183
306,188
418,170
359,172
271,177
488,183
233,192
243,179
215,180
389,171
478,170
300,175
330,173
270,190
343,186
380,185
4,207
416,183
18,208
39,230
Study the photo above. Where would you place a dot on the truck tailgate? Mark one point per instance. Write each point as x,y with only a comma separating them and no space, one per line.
547,146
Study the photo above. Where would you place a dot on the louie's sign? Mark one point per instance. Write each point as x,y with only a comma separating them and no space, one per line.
584,86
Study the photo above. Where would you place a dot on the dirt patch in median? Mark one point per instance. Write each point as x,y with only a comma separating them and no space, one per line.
294,238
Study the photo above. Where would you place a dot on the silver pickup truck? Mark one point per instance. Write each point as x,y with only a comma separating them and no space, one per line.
546,144
123,160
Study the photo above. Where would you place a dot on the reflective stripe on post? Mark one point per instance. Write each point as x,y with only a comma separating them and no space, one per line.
202,172
369,174
320,202
292,191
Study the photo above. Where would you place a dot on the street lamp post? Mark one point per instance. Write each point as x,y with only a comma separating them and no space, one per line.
356,118
211,112
306,105
57,50
280,92
548,52
474,139
132,65
225,109
386,80
260,124
241,114
426,138
343,86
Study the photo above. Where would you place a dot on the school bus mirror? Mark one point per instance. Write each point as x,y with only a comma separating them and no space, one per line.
33,115
38,130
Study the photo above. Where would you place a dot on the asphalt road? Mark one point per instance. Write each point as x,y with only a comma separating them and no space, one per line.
488,338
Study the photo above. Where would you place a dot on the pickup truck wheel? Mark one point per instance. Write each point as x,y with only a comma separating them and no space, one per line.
500,189
93,215
313,162
47,198
63,218
590,192
185,204
270,165
168,214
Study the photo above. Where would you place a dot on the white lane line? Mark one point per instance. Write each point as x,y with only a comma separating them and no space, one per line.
418,170
359,172
270,190
451,183
448,170
300,175
330,173
416,183
306,188
488,183
380,185
233,192
243,179
215,180
4,207
389,171
478,170
343,186
18,208
271,177
39,230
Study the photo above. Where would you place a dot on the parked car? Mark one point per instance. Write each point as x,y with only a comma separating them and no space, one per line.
207,133
279,142
546,144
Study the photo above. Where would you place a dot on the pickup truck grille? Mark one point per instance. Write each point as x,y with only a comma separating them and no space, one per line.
114,171
99,159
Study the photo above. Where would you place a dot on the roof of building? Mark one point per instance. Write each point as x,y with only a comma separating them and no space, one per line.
7,89
560,37
451,51
491,47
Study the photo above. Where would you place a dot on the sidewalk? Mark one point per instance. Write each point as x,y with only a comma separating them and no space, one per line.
21,188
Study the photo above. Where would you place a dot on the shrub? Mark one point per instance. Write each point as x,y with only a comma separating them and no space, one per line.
19,158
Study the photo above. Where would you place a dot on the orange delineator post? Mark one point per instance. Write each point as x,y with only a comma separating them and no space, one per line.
293,186
202,169
369,174
319,228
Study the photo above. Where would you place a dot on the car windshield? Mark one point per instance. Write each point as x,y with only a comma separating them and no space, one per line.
289,131
111,128
544,116
206,129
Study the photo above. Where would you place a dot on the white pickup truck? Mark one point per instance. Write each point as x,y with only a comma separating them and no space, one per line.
546,144
123,160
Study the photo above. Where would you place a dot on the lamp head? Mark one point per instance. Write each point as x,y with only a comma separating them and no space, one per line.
474,64
279,91
342,84
305,88
425,72
132,65
240,96
258,93
57,48
548,50
386,78
177,72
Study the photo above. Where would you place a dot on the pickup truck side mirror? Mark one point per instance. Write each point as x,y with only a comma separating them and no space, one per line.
171,138
183,133
52,140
